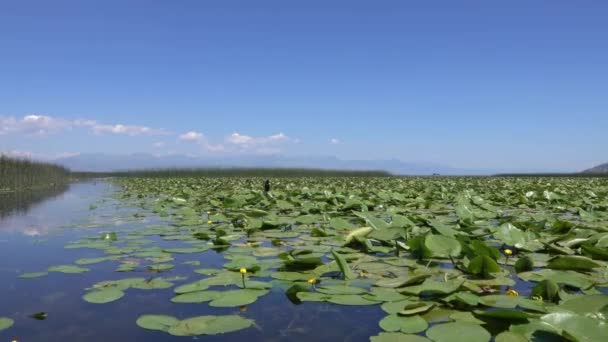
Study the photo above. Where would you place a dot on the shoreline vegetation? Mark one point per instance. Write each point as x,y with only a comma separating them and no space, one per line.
17,174
236,172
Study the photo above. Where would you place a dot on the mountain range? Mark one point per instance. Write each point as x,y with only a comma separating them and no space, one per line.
602,168
99,162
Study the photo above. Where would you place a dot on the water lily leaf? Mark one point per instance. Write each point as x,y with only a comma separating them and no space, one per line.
401,282
397,337
570,278
160,267
524,264
572,262
514,316
547,290
343,265
237,298
446,332
291,276
312,296
465,317
508,336
585,304
595,252
196,297
346,299
68,269
432,287
209,325
186,250
577,327
416,308
410,325
340,224
340,289
103,296
6,323
442,246
199,285
156,322
510,235
483,265
442,228
395,307
32,275
384,294
357,233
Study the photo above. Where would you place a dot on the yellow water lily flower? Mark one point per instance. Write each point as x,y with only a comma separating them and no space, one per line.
243,270
508,252
312,281
209,222
511,292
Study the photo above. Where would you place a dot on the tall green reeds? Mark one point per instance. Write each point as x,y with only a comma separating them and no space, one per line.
20,174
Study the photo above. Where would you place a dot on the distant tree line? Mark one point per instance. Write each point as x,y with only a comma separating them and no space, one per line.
235,172
19,174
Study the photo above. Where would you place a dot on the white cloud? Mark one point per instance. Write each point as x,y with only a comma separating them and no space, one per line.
159,144
42,125
335,141
131,130
32,125
247,142
36,155
192,136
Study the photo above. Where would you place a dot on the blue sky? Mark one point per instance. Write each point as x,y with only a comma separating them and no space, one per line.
509,85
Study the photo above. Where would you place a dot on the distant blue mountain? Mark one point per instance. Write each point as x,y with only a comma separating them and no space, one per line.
111,162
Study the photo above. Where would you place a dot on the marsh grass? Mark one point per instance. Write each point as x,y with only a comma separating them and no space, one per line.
23,174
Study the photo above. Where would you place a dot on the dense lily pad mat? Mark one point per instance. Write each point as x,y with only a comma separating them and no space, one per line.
484,258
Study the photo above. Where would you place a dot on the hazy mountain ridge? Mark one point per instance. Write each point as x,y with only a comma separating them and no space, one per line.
602,168
107,162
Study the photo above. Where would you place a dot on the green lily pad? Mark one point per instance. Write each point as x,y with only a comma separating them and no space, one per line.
410,325
397,337
446,332
346,299
237,298
442,246
343,265
32,275
209,325
572,262
68,269
6,323
577,327
157,322
196,297
508,336
103,296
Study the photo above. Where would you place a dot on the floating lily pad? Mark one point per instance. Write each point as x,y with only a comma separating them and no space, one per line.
6,323
237,298
157,322
33,275
397,337
68,269
410,325
209,325
447,332
103,296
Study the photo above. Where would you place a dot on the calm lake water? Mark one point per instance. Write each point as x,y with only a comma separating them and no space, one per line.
33,234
